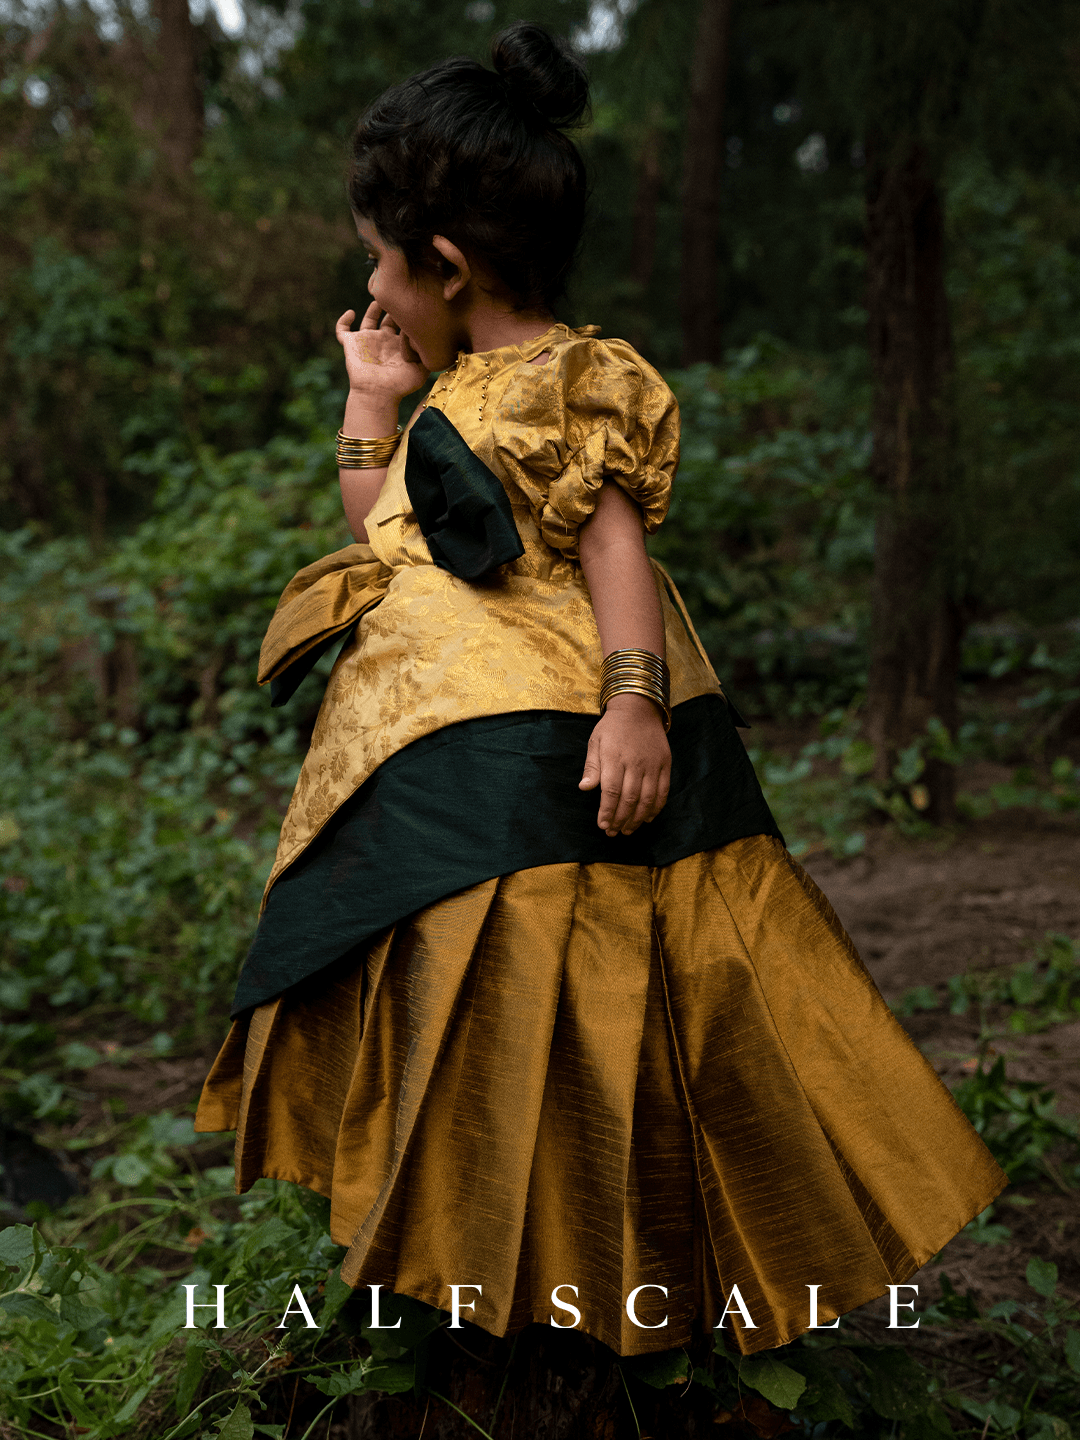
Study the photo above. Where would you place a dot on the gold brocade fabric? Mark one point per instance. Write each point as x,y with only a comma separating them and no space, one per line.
435,649
606,1076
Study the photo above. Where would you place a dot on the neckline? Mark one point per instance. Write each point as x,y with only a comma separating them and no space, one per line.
528,349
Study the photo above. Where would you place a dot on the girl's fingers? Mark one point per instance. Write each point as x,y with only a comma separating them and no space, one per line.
611,782
371,314
389,323
590,775
645,809
662,789
627,808
343,325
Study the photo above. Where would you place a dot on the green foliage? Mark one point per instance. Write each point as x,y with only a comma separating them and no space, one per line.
1017,1119
1036,994
135,852
825,1379
1030,1387
86,1339
167,358
1034,1388
770,534
89,1337
1014,287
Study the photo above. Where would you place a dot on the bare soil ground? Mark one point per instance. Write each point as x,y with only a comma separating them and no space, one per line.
922,911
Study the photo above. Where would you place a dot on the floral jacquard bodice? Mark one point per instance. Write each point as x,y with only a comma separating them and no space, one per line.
438,649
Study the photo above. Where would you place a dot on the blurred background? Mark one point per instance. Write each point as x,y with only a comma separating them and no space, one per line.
848,234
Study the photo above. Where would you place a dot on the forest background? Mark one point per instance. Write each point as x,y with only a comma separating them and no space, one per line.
848,233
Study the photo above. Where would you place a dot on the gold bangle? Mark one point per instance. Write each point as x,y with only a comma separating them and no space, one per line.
356,453
636,672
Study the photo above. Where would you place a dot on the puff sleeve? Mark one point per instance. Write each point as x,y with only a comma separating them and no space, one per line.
596,411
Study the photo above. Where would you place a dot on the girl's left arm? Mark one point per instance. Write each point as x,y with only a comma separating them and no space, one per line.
628,756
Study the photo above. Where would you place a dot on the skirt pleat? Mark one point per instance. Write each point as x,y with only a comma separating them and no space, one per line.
604,1077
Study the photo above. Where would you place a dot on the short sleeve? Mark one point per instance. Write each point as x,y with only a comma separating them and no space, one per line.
595,411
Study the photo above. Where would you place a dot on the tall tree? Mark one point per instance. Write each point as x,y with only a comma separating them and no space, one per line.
916,619
922,83
703,168
179,92
163,59
643,219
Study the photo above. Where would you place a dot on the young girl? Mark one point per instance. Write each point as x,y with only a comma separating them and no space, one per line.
539,998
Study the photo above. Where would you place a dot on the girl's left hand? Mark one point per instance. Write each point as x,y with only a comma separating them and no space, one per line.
382,365
630,759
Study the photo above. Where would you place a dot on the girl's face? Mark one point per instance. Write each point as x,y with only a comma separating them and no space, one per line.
416,303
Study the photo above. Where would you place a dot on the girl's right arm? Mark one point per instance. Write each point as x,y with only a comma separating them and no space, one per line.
628,757
382,371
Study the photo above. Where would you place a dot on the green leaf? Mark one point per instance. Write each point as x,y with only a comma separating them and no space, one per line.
11,1370
273,1232
660,1369
1072,1349
238,1425
127,1410
1003,1417
83,1317
130,1170
858,758
824,1398
909,765
335,1296
16,1244
418,1320
1025,986
393,1377
986,1233
353,1383
29,1307
191,1372
75,1401
77,1056
1049,1427
896,1383
780,1385
1042,1276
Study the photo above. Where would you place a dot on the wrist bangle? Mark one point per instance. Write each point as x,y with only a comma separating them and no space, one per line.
636,672
354,453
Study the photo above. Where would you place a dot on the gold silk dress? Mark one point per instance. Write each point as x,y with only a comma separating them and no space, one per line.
586,1065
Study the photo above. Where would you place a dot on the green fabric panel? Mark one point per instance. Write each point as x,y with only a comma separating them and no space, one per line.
461,507
483,798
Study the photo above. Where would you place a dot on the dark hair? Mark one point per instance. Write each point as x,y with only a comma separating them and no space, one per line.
481,157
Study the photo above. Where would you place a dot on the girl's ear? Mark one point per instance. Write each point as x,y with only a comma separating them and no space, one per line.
456,271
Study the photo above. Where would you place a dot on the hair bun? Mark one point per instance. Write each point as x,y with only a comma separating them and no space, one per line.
541,73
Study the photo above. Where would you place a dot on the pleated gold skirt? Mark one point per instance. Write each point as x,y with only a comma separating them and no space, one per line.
609,1077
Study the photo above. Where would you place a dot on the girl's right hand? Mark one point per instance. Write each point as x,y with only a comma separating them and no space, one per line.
381,363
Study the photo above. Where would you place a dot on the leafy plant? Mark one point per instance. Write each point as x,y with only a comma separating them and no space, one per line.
1017,1120
1036,994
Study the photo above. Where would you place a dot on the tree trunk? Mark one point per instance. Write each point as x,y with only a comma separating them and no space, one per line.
916,628
545,1384
703,170
180,104
169,100
643,225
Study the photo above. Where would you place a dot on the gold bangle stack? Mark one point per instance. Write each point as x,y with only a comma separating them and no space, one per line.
636,672
356,454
